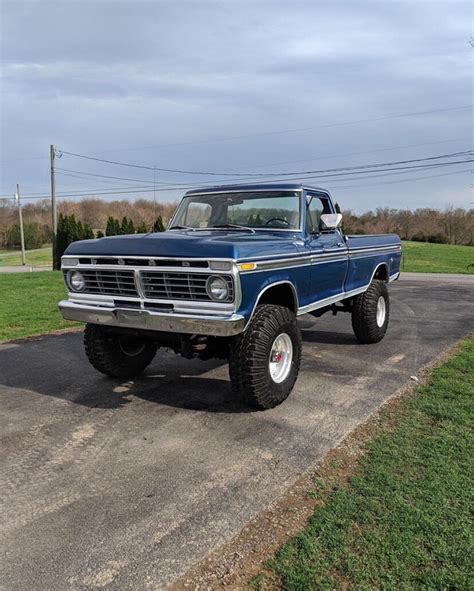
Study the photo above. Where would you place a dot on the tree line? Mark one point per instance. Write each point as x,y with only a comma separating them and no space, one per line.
450,226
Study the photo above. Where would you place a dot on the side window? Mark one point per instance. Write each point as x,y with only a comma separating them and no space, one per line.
198,214
316,206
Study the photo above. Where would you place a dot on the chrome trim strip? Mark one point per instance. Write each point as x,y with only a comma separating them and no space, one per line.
273,258
266,288
370,254
369,235
150,268
141,297
138,284
184,306
394,277
318,253
331,300
241,190
281,264
394,247
147,320
341,296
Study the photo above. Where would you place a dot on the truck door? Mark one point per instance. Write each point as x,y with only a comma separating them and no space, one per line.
328,249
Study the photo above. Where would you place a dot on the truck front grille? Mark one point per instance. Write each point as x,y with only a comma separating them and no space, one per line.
179,286
116,283
156,285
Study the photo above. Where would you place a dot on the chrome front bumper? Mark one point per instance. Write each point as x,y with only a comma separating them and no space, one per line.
222,326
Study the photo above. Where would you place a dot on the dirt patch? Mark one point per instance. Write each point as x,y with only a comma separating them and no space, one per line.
234,564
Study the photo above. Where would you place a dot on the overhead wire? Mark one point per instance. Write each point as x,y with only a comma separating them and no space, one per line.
370,174
260,174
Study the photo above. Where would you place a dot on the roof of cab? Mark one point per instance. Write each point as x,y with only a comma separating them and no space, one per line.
255,187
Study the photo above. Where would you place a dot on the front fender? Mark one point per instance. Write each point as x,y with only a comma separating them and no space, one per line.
254,284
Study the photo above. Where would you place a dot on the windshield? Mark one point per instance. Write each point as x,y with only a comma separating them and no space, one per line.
261,209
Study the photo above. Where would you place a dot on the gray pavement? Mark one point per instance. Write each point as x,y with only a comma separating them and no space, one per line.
125,485
22,269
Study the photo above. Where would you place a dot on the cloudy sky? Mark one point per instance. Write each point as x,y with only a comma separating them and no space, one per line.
237,87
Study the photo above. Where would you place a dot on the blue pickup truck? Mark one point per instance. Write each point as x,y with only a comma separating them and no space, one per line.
228,279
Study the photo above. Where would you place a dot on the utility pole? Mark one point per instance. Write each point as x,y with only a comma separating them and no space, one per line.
22,234
54,213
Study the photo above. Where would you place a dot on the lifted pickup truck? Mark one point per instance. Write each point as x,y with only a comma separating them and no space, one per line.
228,278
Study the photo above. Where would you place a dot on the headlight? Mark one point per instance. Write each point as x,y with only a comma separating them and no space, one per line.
217,288
77,281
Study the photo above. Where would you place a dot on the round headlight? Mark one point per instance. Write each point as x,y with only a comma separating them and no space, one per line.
77,281
217,288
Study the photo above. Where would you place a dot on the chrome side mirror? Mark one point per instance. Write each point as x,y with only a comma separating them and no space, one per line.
330,221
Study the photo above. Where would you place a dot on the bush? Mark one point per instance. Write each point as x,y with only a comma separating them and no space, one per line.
34,236
159,226
113,227
69,231
433,238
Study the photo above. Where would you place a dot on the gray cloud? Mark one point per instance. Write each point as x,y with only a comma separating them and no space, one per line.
110,77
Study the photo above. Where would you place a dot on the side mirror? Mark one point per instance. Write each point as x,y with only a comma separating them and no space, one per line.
330,221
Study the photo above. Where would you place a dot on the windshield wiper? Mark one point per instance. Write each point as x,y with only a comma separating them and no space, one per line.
178,227
231,227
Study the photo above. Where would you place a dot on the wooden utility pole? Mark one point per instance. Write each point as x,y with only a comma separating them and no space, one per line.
22,234
54,213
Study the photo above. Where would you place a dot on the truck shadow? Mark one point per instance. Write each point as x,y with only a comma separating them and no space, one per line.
56,366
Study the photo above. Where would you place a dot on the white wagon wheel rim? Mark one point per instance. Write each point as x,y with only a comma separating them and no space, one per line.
381,311
281,357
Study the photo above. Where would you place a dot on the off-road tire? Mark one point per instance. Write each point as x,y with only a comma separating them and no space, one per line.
364,313
250,353
106,353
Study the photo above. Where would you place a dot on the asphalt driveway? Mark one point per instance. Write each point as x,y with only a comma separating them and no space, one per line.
124,485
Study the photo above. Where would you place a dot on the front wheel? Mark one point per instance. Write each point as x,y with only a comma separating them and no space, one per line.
115,355
264,360
370,313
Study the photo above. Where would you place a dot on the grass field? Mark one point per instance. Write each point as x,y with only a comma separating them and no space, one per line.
418,256
39,257
404,520
425,257
29,304
28,301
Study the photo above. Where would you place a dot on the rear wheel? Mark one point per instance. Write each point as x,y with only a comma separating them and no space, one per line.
117,356
370,313
264,360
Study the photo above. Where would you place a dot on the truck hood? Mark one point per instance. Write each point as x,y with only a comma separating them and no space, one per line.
192,244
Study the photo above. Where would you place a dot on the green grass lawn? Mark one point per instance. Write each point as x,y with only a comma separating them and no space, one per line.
39,257
437,258
405,520
418,256
29,303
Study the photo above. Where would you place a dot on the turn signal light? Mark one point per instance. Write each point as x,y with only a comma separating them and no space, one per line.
247,266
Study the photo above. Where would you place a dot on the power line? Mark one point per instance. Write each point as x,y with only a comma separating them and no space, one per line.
106,176
181,186
270,174
177,184
319,157
403,180
329,156
326,176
